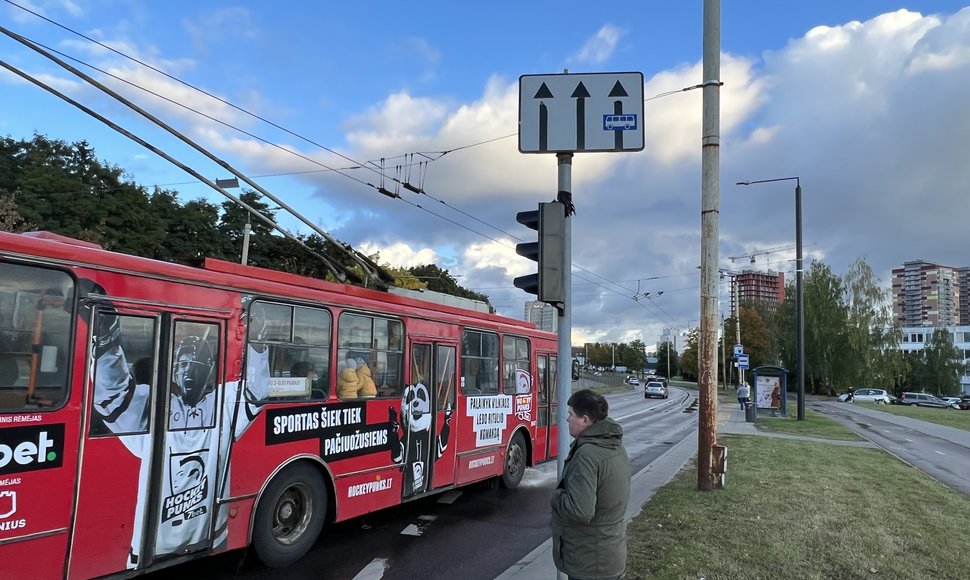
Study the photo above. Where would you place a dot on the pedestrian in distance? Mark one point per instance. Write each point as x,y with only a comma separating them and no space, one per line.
589,503
743,391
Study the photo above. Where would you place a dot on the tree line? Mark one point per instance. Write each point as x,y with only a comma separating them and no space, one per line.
52,185
851,338
633,356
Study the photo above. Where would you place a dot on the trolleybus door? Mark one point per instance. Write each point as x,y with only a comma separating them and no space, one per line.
151,460
114,482
548,391
190,461
427,413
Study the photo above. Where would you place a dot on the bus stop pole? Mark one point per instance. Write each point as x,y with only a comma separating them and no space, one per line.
565,347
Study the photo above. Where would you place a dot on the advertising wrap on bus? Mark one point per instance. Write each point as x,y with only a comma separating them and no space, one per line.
153,412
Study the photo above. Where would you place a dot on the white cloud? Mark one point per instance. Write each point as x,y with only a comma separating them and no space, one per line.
600,47
400,254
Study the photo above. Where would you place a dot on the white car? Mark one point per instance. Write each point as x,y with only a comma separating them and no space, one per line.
952,401
632,380
871,396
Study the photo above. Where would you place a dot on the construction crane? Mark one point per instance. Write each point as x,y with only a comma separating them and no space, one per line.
765,252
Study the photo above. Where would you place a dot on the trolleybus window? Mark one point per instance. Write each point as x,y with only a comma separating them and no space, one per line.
297,340
370,357
124,373
516,364
36,317
479,363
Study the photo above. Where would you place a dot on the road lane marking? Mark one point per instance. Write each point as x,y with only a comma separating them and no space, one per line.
373,571
940,452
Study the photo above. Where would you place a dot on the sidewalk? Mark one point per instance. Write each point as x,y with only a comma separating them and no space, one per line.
537,565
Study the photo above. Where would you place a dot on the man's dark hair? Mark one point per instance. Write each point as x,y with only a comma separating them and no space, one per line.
590,404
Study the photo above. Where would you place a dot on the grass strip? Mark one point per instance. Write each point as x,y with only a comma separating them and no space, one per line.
814,425
957,418
802,510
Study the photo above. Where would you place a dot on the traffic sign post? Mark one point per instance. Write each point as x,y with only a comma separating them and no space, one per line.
566,114
742,361
573,113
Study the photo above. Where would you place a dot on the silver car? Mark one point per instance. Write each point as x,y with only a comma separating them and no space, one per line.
655,389
871,396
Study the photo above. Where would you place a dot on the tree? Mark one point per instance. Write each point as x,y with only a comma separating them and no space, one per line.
872,336
665,353
689,368
439,280
943,364
754,337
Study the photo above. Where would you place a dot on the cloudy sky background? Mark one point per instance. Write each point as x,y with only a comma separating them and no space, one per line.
865,101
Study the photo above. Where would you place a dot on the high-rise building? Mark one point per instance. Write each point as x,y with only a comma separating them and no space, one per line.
928,294
963,278
753,286
544,316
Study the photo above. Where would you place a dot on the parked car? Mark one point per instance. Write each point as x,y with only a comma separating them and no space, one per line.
922,400
871,396
964,404
655,389
952,401
632,380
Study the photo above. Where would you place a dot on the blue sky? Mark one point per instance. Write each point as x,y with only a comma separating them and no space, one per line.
865,101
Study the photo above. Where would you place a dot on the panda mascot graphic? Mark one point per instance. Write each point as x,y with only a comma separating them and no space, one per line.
411,440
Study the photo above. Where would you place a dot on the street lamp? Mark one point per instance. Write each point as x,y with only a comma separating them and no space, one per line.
799,296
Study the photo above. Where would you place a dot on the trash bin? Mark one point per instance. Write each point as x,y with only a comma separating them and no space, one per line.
750,412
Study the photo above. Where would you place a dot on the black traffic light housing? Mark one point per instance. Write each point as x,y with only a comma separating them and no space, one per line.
550,221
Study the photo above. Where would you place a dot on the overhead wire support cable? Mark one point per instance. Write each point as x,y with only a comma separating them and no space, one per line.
339,272
376,274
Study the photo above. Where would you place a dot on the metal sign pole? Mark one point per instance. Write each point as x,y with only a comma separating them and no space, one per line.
565,347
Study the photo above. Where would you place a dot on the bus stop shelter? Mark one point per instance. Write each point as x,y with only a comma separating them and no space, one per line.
769,390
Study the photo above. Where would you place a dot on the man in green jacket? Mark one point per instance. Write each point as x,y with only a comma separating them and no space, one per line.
589,504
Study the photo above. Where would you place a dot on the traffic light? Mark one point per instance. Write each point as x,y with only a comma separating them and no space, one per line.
550,221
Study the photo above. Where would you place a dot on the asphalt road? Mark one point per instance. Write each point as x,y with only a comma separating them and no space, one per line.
941,452
474,533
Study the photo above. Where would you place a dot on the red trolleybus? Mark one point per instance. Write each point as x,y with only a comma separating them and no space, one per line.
153,412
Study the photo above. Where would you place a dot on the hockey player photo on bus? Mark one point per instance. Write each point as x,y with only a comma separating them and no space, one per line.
194,471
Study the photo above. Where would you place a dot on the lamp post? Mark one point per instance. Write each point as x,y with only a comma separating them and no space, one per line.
232,183
799,296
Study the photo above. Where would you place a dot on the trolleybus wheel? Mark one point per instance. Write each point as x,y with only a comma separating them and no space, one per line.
514,462
289,516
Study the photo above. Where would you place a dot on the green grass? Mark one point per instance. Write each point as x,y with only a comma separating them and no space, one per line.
950,417
802,510
814,425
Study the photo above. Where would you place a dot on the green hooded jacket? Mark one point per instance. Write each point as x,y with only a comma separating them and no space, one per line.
589,504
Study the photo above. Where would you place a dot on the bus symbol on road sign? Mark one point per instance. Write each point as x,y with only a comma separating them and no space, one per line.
619,122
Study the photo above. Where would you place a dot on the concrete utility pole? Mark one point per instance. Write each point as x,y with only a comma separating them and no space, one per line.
710,232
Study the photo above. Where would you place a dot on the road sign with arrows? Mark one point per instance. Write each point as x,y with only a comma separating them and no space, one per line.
573,113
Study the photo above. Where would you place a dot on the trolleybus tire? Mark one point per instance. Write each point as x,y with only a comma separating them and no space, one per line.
514,462
289,516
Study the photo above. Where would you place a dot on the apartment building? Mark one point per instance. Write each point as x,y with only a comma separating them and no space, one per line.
754,286
544,316
928,294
